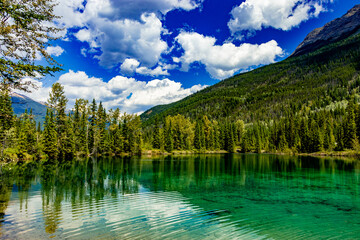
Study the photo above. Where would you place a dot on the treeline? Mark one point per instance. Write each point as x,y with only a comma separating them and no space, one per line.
304,131
86,130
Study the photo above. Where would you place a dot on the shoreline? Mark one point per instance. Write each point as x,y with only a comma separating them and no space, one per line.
158,153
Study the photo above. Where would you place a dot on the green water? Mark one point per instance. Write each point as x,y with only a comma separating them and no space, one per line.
193,197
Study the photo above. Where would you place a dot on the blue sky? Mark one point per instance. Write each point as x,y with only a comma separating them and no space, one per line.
135,54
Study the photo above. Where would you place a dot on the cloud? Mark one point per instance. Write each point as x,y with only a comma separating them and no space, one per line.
84,35
121,29
129,94
129,66
253,15
134,9
223,61
55,51
131,39
158,71
83,52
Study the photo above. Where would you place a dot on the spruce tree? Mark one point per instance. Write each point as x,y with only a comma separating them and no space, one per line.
230,144
350,126
50,136
6,110
57,102
258,144
169,143
100,133
82,138
156,135
198,136
69,140
92,126
6,119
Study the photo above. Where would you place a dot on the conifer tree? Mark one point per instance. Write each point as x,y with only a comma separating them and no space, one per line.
6,110
100,133
115,138
340,138
92,126
6,119
22,144
216,136
69,140
29,128
230,144
82,138
258,144
169,144
207,131
283,145
240,128
57,102
126,133
156,136
199,136
350,126
76,119
50,136
304,135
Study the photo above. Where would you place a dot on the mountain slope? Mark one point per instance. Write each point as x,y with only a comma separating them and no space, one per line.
333,31
315,79
21,102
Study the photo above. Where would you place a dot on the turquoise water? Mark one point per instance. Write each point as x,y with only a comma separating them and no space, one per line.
192,197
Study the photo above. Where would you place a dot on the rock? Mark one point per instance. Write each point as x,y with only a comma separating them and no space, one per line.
333,31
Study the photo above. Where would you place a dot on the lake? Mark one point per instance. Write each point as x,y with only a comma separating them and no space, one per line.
232,196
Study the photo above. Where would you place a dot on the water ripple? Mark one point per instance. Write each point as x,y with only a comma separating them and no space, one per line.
147,215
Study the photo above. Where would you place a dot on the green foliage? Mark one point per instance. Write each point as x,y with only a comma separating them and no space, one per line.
6,119
157,138
57,102
50,139
24,33
6,111
322,79
268,109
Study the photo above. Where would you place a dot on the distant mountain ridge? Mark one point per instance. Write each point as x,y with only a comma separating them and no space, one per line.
333,31
21,102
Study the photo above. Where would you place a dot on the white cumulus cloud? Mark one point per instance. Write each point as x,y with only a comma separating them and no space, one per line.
253,15
54,51
158,71
129,66
129,94
83,35
121,29
222,61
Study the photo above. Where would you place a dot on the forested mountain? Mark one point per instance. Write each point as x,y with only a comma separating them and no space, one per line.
320,79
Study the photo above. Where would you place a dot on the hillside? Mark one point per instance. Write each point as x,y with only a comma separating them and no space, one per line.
333,31
317,79
21,102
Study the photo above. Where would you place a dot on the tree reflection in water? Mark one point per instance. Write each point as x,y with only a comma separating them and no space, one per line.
83,184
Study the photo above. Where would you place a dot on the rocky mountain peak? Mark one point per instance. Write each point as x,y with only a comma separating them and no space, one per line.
333,31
